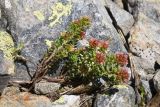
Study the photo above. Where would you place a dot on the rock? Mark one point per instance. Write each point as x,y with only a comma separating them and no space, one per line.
46,87
67,101
147,89
9,91
6,49
156,81
22,72
150,8
147,33
119,3
33,22
123,19
144,68
3,82
125,97
7,66
24,100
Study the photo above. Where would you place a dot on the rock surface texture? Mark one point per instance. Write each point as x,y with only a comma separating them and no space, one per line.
125,97
131,26
25,100
46,87
144,40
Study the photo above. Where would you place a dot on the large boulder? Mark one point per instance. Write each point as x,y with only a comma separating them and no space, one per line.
31,22
145,36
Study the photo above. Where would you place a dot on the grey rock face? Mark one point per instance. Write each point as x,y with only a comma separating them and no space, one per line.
32,22
67,101
123,18
22,72
150,8
46,87
144,40
156,81
125,97
119,3
3,82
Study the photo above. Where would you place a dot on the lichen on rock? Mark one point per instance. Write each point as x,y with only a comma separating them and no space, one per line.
39,15
6,44
48,43
7,47
58,11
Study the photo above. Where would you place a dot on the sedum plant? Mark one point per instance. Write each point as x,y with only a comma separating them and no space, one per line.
95,62
90,62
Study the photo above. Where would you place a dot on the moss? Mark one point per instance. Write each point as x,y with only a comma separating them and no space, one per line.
58,11
39,15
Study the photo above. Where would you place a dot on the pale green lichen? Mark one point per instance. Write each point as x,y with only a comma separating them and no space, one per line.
120,86
48,43
39,15
61,100
7,47
58,11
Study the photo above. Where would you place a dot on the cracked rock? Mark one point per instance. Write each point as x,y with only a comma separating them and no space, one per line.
122,18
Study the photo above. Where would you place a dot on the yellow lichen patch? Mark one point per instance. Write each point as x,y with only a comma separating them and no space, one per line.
59,10
7,47
61,100
39,15
120,86
48,43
